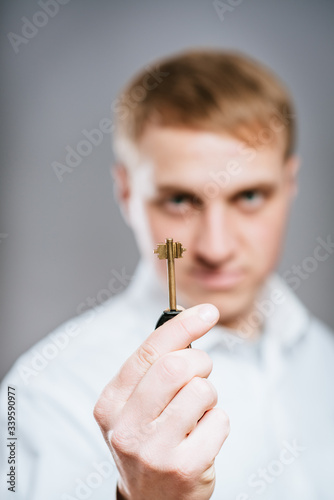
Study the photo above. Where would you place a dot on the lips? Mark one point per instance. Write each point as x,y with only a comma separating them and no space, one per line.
218,279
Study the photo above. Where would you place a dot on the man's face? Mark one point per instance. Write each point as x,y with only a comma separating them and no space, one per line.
225,203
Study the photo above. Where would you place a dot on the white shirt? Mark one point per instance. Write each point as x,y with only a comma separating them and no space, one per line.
277,392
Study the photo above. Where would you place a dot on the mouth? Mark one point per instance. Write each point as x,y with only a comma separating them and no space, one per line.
218,279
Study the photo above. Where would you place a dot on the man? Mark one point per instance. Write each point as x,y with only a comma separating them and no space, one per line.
205,147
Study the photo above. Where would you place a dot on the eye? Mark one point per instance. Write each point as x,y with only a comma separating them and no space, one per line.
178,199
251,199
181,203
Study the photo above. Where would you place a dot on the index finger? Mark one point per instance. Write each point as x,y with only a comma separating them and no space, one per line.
174,335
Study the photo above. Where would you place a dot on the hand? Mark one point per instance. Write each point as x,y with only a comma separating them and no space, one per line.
157,414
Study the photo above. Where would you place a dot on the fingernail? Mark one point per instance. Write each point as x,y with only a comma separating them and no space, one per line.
208,313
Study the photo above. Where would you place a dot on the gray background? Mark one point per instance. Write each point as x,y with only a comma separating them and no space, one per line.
60,242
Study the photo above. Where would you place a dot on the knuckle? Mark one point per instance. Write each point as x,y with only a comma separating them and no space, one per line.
201,360
172,366
223,420
205,390
147,354
208,361
123,440
133,446
208,476
101,412
116,440
205,360
185,471
189,472
105,408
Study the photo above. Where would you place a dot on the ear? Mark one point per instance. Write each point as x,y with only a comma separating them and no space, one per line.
291,166
122,188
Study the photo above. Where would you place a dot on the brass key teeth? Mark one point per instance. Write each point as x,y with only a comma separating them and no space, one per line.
176,249
170,251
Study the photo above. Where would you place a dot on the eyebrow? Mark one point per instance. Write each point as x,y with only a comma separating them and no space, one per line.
251,185
172,189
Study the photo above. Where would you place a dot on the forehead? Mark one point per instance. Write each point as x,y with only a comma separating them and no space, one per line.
189,159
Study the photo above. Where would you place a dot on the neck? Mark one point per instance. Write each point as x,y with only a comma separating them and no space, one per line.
248,326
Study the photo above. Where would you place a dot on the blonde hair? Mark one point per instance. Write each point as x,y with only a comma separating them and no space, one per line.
209,90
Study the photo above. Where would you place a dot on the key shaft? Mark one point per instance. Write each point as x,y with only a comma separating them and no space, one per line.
171,275
170,251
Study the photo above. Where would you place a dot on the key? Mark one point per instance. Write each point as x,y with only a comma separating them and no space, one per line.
170,251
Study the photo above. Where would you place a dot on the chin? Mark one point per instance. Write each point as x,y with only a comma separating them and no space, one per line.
230,305
232,302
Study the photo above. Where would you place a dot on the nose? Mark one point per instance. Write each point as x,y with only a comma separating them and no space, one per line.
215,242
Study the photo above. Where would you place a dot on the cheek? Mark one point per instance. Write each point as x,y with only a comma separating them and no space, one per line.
140,226
265,237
